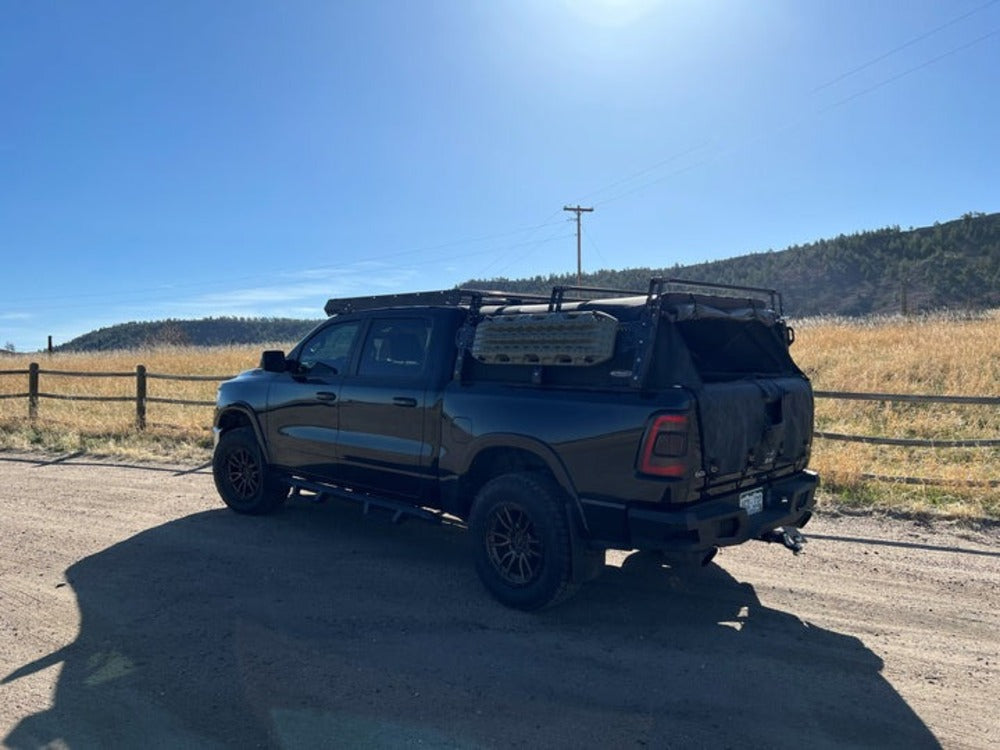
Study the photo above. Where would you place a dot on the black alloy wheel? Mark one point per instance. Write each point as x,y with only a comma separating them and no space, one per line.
513,544
521,540
243,473
242,476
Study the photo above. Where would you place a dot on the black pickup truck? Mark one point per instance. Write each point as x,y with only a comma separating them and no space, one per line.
555,426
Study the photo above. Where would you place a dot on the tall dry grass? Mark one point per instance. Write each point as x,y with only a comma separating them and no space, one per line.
933,355
941,355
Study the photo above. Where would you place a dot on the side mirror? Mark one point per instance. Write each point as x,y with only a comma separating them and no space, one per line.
273,360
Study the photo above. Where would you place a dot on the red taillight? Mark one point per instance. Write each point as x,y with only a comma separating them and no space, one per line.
665,446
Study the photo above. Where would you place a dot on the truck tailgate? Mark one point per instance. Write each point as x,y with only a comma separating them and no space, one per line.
754,427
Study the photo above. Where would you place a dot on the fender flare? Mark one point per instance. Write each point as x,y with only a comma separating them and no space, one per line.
543,451
245,410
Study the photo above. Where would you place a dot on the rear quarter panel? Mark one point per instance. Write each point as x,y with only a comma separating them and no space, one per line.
593,435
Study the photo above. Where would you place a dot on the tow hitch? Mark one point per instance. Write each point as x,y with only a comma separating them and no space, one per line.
789,536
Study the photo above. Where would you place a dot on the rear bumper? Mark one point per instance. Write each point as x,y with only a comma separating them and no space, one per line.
719,522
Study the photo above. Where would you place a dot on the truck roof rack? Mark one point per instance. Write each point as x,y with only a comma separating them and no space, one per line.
472,298
475,298
659,286
655,298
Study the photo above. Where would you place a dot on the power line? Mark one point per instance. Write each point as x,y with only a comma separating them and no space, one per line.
724,151
125,296
521,256
901,47
546,222
908,71
658,180
652,167
590,239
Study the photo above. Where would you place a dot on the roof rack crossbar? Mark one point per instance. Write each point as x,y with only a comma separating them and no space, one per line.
559,294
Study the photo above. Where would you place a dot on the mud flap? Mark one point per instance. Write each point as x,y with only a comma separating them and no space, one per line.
587,562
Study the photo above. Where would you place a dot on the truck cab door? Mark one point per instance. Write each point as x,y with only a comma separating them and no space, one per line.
302,419
381,441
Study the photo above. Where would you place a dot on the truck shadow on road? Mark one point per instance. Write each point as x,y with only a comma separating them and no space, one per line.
317,628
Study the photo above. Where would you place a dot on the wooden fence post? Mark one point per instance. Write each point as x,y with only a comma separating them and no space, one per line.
140,397
33,391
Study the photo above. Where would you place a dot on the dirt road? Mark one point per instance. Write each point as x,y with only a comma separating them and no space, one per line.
135,611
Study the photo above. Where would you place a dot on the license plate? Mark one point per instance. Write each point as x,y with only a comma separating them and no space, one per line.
752,501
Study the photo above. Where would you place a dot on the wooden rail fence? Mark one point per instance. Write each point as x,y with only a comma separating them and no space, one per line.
141,399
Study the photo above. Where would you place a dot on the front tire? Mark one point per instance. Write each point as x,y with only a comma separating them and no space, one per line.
242,477
521,538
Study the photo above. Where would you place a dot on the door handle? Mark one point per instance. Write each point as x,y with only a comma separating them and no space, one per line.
326,396
404,401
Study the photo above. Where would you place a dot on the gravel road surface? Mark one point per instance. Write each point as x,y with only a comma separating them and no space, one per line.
136,611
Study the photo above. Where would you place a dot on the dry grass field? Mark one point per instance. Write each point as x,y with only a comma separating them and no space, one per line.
935,355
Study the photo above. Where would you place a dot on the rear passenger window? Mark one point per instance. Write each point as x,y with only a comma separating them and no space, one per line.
395,347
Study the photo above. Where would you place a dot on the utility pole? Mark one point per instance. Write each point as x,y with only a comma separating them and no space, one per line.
579,260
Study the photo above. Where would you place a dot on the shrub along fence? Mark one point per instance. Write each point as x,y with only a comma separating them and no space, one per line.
141,399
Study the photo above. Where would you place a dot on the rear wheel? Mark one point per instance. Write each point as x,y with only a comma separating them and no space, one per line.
242,477
522,549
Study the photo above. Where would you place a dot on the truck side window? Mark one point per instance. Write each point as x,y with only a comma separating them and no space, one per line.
395,347
330,349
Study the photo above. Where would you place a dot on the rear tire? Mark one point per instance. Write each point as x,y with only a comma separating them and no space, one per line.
521,539
242,477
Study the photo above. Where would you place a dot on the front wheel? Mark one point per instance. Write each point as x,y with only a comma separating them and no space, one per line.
521,540
242,476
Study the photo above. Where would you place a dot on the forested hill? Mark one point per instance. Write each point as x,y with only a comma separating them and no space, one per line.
204,332
955,265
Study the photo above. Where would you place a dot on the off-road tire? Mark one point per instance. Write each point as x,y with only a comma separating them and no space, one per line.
242,477
521,541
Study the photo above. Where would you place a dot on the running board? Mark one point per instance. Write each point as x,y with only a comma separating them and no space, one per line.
400,511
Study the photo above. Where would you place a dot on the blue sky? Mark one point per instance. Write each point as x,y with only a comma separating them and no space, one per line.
187,159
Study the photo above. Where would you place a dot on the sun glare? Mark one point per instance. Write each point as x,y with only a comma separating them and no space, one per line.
612,13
